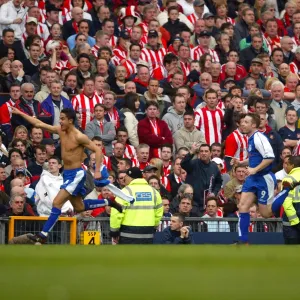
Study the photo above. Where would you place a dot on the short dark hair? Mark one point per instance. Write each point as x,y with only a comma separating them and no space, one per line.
169,58
212,198
179,216
170,146
97,138
205,145
99,105
11,151
78,35
189,113
122,128
83,55
210,91
40,147
6,30
127,161
70,114
135,45
255,118
56,158
14,85
151,103
106,21
83,21
276,49
295,160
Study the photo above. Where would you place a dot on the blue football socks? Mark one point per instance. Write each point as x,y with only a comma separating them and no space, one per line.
55,213
243,226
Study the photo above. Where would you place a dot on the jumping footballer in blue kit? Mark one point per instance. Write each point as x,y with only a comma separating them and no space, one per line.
73,143
260,183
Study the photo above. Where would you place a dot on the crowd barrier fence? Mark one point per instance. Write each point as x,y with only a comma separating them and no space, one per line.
96,230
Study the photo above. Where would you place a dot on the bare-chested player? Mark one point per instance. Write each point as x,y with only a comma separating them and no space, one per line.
73,143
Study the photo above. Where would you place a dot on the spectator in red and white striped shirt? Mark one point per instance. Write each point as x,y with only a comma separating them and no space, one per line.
209,119
204,43
142,151
122,137
236,144
84,103
153,53
199,10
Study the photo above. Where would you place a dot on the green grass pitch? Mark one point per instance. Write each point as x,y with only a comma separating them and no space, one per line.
149,272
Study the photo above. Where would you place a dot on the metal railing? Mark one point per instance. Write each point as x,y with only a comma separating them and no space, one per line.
69,230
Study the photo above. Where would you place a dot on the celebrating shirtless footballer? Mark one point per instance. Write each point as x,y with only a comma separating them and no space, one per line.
73,143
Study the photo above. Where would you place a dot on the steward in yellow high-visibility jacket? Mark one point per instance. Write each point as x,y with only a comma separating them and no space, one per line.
291,204
138,221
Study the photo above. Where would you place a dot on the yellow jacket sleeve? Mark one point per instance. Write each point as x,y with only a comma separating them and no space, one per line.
289,207
158,209
116,217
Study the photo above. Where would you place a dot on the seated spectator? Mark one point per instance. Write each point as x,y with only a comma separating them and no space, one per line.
100,127
50,147
122,137
176,233
239,175
184,189
282,173
188,134
142,156
211,212
124,164
254,225
18,207
186,205
36,167
48,187
17,75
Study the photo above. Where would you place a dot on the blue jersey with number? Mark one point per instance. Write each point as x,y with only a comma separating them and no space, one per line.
259,148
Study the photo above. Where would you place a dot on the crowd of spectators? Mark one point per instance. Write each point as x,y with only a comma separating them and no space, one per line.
160,85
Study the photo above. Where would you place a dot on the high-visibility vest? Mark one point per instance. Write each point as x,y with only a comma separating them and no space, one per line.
139,219
291,203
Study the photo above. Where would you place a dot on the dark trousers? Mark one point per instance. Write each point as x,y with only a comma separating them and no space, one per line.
291,235
133,241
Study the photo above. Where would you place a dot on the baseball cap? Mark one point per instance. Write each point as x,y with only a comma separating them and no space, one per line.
142,63
207,15
124,35
199,3
152,34
149,168
256,60
47,142
218,161
134,173
21,171
204,33
31,20
177,38
229,79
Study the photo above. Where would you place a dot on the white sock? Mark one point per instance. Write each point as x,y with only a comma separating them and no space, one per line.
116,191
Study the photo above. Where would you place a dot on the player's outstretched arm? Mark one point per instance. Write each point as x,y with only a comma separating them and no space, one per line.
35,122
87,143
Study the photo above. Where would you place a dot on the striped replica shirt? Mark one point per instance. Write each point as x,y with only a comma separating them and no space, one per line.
236,145
130,67
119,54
5,112
210,122
198,51
129,152
113,42
94,50
141,165
153,57
193,18
85,106
185,67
